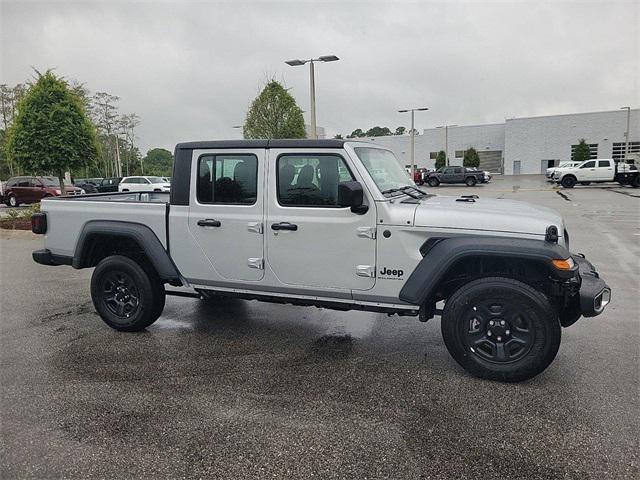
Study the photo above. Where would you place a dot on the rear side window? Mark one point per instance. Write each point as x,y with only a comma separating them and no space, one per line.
228,179
604,163
310,180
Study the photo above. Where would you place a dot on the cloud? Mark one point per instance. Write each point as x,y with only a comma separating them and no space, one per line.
190,69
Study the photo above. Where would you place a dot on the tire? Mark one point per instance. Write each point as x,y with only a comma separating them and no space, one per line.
473,342
125,189
433,182
471,181
569,181
12,201
585,183
126,295
635,183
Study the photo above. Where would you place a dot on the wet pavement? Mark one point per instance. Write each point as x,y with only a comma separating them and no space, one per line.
241,389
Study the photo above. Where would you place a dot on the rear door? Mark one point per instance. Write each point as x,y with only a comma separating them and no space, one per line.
604,170
226,212
312,242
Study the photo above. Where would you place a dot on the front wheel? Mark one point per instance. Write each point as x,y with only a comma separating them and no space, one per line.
501,329
635,183
127,296
470,181
569,181
13,201
433,182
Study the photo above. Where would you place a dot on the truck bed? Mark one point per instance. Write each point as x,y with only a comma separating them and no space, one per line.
66,216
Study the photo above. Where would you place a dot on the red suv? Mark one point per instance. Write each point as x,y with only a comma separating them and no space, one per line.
33,189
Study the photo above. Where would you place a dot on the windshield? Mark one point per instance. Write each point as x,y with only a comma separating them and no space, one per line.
384,168
157,180
566,164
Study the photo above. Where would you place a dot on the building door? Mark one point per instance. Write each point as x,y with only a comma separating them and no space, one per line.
545,164
516,167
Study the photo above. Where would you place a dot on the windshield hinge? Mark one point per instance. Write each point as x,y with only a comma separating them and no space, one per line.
254,227
366,271
367,232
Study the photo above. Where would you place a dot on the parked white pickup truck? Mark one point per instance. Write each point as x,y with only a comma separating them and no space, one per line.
335,224
597,171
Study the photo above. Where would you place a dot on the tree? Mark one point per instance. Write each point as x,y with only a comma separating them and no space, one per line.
400,130
582,151
441,159
51,131
357,133
274,114
471,158
338,136
378,132
158,161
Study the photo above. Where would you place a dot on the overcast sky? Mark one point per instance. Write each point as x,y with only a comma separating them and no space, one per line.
191,69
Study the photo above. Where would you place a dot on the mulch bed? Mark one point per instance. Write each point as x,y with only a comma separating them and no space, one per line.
15,223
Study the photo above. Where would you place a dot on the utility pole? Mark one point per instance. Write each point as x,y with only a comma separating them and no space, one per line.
412,134
626,134
446,141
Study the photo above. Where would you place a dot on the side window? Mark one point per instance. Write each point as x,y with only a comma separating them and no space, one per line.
310,180
228,179
590,164
457,170
604,163
24,182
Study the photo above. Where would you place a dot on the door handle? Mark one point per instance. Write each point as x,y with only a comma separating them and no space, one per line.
209,222
284,226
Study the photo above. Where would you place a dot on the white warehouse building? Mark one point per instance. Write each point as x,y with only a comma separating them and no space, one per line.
522,145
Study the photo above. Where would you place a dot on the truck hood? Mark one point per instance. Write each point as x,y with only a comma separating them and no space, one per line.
486,214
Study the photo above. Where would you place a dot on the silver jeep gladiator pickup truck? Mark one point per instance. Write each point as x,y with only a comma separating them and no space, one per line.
334,224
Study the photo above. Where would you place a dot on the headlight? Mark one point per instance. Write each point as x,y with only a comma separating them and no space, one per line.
58,192
82,192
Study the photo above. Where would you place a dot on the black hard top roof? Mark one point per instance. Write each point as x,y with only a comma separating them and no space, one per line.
273,143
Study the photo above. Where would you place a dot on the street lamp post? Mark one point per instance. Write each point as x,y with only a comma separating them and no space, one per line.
312,84
626,134
446,141
412,133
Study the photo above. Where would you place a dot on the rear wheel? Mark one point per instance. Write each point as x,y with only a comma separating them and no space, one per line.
433,182
470,181
569,181
501,329
635,183
128,296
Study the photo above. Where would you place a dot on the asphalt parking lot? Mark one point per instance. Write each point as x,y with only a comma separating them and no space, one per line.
252,390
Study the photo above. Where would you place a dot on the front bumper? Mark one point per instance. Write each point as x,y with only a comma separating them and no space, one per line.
594,293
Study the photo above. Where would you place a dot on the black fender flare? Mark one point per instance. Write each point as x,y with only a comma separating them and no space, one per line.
446,252
141,234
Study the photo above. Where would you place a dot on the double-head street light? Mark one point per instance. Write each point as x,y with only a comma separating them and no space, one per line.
626,134
412,133
298,63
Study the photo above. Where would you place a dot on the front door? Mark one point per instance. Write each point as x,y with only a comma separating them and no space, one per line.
587,172
226,212
312,242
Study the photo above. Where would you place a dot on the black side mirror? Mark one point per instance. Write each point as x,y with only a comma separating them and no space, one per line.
351,194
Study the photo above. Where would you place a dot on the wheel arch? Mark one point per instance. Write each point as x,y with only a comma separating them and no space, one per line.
101,238
445,258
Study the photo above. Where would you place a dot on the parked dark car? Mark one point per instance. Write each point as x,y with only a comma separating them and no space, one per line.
89,185
454,175
33,189
109,184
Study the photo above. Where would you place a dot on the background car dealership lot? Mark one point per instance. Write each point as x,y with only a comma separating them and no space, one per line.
249,390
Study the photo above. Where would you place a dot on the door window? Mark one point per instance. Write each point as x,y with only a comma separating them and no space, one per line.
457,170
24,182
590,164
604,163
228,179
310,180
